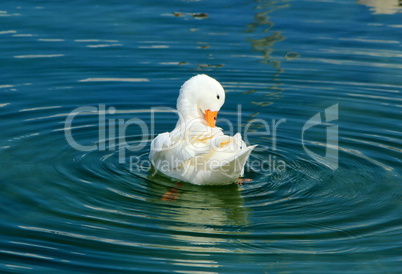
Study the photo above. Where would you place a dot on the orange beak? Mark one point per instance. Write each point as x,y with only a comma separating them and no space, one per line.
210,117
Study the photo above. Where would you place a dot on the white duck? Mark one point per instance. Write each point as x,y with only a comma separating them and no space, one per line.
196,151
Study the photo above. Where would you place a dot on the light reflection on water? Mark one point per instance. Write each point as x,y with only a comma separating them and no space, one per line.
382,6
96,210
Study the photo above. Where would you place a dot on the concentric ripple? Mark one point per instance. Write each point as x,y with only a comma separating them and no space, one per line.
98,198
85,88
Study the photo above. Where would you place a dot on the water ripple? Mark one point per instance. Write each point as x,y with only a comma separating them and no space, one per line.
104,209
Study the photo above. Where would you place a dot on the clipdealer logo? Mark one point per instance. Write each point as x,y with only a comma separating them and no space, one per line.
112,136
331,157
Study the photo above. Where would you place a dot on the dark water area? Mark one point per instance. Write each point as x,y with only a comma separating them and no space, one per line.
86,85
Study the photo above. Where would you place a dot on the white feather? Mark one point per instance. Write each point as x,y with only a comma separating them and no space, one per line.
194,152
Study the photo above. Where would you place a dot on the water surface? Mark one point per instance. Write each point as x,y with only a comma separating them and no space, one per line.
100,209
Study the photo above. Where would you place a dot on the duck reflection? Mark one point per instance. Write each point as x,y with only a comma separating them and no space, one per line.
200,205
200,216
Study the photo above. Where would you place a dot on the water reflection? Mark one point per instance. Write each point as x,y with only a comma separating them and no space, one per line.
265,44
200,216
262,26
382,6
201,205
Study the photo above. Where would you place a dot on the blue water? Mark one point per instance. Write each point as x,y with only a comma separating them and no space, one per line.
100,208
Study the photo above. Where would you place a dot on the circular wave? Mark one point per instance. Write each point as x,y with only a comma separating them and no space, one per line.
112,197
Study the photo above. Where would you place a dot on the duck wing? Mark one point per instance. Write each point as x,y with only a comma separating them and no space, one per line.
176,147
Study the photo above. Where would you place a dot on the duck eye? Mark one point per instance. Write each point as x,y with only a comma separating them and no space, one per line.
217,96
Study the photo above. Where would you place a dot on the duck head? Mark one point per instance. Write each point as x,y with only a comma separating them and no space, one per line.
201,97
